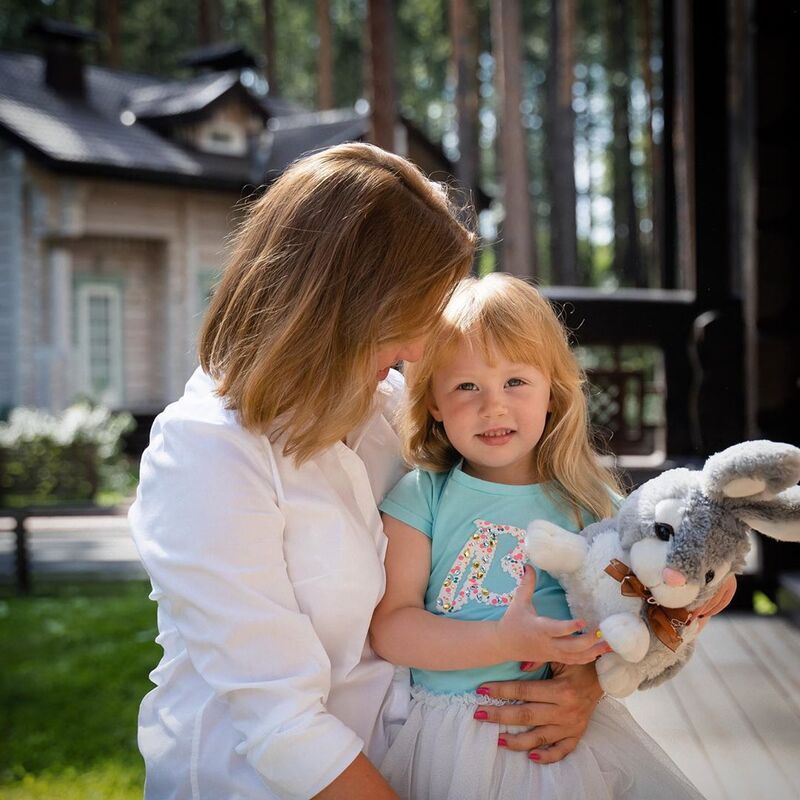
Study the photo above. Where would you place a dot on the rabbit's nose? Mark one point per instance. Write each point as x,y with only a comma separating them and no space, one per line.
672,577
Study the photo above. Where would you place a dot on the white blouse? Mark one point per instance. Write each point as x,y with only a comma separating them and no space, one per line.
266,576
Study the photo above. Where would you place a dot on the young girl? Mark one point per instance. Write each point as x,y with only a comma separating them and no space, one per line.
496,422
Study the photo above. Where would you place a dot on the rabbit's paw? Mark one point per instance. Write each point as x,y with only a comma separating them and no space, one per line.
617,677
553,549
627,635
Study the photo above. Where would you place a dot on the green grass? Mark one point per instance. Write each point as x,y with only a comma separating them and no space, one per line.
75,660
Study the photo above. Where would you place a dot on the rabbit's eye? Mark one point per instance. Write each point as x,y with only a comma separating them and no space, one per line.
664,531
709,576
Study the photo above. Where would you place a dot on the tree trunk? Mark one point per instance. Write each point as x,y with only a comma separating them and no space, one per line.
325,63
270,61
655,197
464,33
627,260
518,230
207,22
561,164
107,21
380,26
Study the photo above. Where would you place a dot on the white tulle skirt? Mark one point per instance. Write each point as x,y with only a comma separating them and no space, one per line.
442,753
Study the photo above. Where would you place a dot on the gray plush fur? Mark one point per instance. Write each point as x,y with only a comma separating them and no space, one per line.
709,541
775,463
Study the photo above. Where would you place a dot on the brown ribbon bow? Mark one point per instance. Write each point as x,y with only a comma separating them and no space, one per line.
664,622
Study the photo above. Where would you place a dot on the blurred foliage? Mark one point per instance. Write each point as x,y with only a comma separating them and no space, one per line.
75,665
70,458
156,33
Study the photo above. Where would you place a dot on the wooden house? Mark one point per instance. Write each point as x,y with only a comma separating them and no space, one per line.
118,192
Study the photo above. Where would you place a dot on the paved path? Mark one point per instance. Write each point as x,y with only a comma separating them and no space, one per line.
79,545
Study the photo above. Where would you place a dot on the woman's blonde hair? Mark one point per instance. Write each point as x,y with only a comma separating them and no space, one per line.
350,249
500,313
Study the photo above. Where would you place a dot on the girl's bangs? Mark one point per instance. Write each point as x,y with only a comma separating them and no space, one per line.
492,330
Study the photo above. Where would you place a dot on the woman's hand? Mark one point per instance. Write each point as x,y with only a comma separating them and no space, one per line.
718,602
525,636
557,711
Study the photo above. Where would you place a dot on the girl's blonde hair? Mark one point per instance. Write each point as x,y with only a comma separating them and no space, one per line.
351,248
500,313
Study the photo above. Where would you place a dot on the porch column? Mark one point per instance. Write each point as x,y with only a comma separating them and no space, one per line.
60,388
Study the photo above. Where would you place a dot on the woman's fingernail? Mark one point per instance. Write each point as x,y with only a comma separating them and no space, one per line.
482,690
534,756
501,742
480,715
525,665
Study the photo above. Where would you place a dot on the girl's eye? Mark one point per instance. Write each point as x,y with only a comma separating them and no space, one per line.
515,382
466,387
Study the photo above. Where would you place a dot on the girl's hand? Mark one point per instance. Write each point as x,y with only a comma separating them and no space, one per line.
525,636
557,711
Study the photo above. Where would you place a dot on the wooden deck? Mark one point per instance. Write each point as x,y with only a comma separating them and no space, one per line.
731,718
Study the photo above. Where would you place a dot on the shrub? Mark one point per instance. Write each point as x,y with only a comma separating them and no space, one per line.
69,458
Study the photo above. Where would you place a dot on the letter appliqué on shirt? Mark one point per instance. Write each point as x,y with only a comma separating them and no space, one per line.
465,578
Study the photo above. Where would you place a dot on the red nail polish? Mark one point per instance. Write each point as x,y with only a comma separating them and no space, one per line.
482,690
501,742
525,666
534,756
480,715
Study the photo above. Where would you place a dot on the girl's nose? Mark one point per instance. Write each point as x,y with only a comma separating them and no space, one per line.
672,577
492,405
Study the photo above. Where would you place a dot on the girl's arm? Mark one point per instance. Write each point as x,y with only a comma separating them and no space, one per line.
403,632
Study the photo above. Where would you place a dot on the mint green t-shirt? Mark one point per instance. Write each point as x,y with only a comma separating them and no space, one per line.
477,531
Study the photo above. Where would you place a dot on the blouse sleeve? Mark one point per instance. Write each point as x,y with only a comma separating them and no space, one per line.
210,533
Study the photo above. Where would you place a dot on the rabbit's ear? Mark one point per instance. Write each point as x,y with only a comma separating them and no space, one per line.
778,518
755,470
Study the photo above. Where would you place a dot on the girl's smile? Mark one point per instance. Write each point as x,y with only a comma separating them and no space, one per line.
496,436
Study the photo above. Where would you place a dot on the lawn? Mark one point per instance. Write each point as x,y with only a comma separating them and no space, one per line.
75,660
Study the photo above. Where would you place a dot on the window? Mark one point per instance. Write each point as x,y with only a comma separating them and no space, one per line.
223,137
99,341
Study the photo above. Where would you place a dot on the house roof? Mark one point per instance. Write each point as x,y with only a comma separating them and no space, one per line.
113,131
180,98
94,136
220,56
292,136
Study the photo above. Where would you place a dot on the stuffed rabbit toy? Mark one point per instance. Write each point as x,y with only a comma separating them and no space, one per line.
637,577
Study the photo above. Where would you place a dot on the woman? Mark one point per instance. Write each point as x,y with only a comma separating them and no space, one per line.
256,515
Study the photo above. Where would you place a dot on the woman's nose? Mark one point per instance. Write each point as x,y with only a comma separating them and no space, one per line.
412,351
